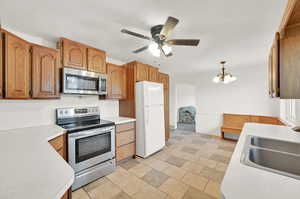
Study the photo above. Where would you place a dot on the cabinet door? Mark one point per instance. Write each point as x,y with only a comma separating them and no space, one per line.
116,81
96,61
164,79
45,68
74,54
153,75
17,67
289,67
1,65
142,71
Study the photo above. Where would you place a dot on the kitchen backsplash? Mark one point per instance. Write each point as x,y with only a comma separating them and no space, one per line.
26,113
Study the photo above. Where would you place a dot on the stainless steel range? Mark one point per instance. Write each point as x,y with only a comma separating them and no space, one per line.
91,143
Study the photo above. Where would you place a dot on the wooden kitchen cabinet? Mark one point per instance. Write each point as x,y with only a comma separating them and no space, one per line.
153,74
164,79
141,71
74,54
125,141
45,72
1,65
96,60
273,68
284,60
17,67
116,81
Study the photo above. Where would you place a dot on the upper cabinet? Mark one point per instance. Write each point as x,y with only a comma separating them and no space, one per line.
17,67
116,81
45,69
274,68
141,71
96,60
164,79
80,56
153,74
74,54
284,60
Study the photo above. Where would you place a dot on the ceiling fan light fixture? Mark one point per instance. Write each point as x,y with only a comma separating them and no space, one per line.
154,49
167,49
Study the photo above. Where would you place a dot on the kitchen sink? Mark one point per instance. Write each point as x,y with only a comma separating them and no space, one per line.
272,155
278,145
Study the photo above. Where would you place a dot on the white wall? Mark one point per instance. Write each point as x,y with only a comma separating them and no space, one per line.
247,95
25,113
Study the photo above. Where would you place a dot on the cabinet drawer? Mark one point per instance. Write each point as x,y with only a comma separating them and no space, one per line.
57,143
125,127
125,151
125,137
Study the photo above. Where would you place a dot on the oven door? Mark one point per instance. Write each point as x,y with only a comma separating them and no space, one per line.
91,147
80,82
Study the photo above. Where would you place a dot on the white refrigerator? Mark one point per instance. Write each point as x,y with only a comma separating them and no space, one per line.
150,125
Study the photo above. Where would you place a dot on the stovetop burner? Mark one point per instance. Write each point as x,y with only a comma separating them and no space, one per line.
85,125
79,119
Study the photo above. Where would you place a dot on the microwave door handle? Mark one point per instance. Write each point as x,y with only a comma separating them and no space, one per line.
99,85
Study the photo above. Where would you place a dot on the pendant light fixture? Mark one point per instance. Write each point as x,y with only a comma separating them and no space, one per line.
223,76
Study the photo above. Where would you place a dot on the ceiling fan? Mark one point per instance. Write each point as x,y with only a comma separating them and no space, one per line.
160,33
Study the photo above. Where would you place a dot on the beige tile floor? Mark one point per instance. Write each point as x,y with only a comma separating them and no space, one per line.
191,166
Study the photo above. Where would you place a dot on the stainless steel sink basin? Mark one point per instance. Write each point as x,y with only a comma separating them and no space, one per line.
272,155
278,145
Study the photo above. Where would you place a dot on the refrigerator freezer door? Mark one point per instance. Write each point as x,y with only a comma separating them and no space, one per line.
153,93
154,129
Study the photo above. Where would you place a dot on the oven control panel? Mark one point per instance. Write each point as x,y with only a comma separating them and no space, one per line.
77,112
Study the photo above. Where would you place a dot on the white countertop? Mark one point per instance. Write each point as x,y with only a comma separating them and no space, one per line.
241,181
119,120
30,167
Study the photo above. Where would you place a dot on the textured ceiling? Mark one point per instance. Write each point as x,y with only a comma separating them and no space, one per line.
238,31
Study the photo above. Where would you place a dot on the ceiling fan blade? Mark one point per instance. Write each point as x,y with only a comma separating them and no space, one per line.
169,26
135,34
183,42
167,55
141,49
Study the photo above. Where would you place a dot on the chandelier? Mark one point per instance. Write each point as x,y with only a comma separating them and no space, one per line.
223,76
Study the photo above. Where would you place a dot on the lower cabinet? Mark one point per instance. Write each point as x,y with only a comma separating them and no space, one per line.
125,141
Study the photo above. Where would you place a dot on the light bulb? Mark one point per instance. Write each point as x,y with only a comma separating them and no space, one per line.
167,49
233,78
226,79
153,48
216,79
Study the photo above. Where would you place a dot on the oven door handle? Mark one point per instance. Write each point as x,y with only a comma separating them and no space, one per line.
88,133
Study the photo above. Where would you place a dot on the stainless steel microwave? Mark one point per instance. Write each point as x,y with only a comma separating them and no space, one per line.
83,82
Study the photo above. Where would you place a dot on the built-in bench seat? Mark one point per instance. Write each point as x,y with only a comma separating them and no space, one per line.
233,123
